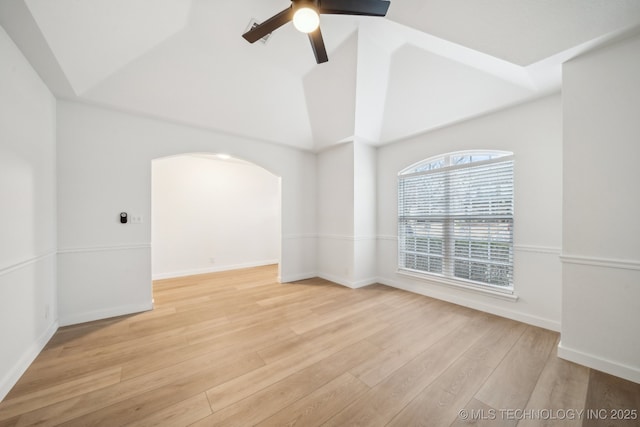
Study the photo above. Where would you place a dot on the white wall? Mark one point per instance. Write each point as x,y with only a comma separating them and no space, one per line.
347,214
365,269
533,133
335,214
601,249
28,309
330,92
212,215
104,168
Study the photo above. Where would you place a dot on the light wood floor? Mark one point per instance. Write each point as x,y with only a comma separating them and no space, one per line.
239,349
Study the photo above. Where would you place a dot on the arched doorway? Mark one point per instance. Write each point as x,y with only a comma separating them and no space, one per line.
212,212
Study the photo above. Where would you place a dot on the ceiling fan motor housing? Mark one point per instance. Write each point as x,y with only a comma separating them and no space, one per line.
299,4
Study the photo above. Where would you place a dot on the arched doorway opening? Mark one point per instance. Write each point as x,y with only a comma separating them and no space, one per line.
212,212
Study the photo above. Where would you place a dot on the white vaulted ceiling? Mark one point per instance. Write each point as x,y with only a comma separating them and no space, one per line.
428,64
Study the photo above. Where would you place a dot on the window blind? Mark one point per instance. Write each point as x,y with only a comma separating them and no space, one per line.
457,221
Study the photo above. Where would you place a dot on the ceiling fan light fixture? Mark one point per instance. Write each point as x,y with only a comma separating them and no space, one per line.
305,15
306,19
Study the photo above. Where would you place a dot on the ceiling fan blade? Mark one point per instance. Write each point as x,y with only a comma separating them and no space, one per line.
269,26
354,7
317,43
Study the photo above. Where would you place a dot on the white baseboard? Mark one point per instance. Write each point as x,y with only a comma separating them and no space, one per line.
487,308
334,279
295,277
364,282
216,269
14,374
348,283
74,319
610,367
329,277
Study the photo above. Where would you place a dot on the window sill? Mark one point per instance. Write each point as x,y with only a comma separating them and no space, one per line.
505,295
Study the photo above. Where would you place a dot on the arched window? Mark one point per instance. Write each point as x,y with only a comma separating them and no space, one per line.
455,218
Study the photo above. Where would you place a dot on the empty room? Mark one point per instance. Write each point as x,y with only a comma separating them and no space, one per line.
319,212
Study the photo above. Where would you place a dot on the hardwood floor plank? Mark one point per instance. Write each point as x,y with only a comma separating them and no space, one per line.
510,386
180,414
562,386
378,406
149,403
498,341
43,397
403,347
437,406
270,400
611,401
401,299
121,354
9,422
339,303
408,318
255,314
440,403
318,320
108,355
319,406
233,391
212,367
359,325
251,339
285,298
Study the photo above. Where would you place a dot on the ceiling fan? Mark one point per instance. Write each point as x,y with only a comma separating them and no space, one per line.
305,15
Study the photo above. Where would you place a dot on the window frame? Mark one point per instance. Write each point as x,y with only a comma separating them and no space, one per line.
437,164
